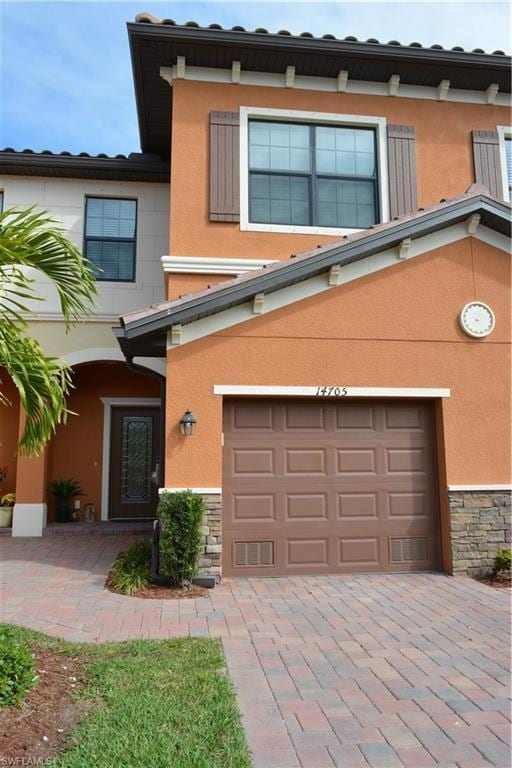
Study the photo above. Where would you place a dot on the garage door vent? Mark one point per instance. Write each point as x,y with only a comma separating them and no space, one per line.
254,553
408,550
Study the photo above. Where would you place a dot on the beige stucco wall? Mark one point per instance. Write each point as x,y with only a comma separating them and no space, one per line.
64,199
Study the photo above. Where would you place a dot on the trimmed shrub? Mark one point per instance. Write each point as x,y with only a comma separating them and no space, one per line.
131,571
502,561
181,518
17,669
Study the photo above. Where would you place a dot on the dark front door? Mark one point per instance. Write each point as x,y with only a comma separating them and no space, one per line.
134,462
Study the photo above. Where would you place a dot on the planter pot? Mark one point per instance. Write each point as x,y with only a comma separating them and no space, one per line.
63,512
5,517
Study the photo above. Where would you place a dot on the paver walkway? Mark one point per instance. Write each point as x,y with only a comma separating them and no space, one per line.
395,670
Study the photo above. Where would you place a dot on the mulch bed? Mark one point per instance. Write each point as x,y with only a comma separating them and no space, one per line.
39,728
502,580
161,592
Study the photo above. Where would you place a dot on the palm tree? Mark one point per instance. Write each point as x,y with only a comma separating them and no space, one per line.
32,240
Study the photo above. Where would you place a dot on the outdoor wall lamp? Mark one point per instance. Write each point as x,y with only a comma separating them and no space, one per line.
188,423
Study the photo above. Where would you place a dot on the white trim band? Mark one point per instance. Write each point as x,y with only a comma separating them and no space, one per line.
333,85
266,391
495,487
205,491
204,265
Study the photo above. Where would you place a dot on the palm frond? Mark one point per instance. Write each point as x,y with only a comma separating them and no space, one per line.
31,239
42,383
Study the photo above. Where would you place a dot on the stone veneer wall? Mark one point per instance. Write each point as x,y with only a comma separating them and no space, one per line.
479,526
210,558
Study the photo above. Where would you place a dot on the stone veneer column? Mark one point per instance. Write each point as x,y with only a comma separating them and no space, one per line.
479,527
210,558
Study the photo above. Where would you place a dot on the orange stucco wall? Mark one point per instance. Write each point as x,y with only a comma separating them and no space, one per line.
77,448
9,421
179,284
443,152
395,328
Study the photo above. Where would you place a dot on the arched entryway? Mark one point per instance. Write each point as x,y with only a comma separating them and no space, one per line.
111,441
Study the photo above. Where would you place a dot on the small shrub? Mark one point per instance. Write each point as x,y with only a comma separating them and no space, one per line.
181,518
17,669
502,561
131,571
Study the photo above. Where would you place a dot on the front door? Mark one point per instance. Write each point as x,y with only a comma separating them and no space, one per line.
134,462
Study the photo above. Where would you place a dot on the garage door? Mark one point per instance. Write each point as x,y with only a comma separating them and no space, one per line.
328,487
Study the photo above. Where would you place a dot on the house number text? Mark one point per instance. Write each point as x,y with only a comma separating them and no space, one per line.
331,391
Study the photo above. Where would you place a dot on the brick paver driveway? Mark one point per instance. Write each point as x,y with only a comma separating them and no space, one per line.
395,670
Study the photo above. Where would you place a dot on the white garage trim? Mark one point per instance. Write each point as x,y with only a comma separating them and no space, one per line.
267,391
108,402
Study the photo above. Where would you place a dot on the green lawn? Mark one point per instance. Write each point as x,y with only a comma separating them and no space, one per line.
156,704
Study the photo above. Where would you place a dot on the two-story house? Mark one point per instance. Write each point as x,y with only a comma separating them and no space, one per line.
332,317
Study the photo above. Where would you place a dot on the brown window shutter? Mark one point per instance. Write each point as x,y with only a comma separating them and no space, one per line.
486,154
224,166
403,196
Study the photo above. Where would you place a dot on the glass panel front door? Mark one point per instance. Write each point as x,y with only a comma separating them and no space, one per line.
136,458
134,462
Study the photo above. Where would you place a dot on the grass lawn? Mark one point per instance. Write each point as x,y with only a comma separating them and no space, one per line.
151,704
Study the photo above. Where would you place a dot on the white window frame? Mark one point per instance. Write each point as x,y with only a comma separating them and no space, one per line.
504,132
293,115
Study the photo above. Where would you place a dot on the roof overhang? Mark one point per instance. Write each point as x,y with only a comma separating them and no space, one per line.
155,45
471,211
135,167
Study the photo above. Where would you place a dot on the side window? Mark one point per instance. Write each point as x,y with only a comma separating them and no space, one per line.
312,175
110,237
506,154
1,201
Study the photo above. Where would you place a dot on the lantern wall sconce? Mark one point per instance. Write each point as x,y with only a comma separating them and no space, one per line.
188,423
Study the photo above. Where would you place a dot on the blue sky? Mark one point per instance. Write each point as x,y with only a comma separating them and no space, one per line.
66,80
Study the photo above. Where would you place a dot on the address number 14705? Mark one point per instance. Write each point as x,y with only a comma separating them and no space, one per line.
331,391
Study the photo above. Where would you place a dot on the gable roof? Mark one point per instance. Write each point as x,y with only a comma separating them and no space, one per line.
143,333
155,43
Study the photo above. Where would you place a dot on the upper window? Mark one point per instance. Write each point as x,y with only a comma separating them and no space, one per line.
505,138
312,175
110,233
508,162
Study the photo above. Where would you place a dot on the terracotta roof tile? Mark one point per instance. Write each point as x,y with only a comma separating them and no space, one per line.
148,18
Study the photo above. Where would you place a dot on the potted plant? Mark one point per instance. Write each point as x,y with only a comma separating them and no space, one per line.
6,506
64,491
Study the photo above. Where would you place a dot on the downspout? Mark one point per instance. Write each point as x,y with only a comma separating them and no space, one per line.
140,369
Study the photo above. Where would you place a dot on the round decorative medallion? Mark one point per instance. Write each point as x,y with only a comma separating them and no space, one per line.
477,319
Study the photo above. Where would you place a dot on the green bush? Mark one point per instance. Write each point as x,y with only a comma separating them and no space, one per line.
17,669
181,518
131,572
502,561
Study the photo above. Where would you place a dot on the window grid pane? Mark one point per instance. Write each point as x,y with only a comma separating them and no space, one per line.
331,179
110,229
508,159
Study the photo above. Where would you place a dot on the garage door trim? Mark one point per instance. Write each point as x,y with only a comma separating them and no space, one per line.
242,390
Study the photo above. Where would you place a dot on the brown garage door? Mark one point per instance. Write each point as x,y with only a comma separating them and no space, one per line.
328,487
